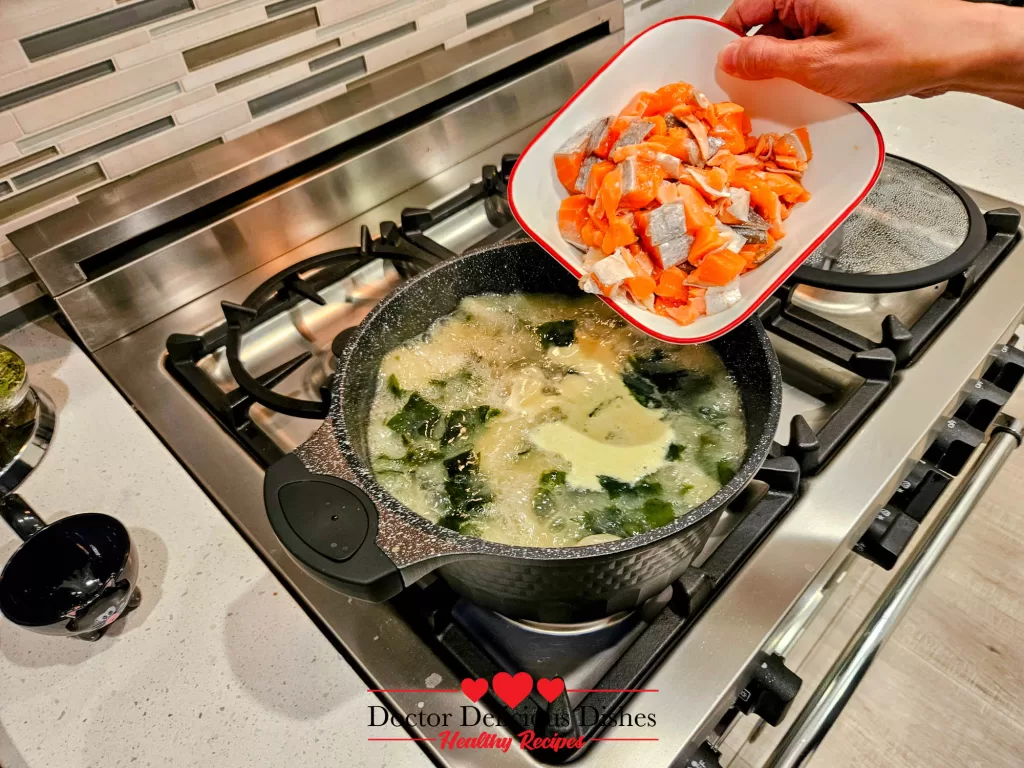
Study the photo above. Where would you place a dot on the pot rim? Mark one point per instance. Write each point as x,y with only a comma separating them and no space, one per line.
460,544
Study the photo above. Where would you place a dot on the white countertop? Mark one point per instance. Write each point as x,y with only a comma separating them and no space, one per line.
218,665
974,141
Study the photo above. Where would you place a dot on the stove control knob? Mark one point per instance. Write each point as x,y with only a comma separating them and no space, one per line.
886,538
919,491
981,404
1006,368
770,690
508,162
705,756
953,445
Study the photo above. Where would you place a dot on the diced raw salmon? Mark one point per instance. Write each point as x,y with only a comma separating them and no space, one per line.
572,215
570,156
718,268
698,213
805,139
642,287
640,182
675,198
603,145
637,105
671,285
667,193
596,178
611,192
669,96
706,240
620,232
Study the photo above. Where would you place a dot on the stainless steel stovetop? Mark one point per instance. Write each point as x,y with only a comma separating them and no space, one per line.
777,592
175,285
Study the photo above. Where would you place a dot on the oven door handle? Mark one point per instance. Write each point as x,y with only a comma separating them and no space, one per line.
834,691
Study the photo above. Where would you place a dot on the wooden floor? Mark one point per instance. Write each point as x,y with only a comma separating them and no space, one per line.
948,688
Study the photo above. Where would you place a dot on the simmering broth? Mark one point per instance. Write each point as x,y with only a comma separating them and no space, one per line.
547,421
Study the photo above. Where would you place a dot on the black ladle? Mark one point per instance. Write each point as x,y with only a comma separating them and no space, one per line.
73,577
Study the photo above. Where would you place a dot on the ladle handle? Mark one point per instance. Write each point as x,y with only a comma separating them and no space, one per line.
20,516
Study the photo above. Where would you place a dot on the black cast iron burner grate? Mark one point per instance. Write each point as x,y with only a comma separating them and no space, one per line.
875,362
429,606
406,247
907,344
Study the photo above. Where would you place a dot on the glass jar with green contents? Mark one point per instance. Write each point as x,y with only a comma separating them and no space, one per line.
13,379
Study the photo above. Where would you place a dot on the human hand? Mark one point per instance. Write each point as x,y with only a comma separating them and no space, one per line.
870,50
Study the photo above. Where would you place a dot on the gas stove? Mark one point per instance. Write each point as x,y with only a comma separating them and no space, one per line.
841,352
222,325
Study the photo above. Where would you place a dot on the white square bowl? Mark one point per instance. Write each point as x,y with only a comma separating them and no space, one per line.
848,156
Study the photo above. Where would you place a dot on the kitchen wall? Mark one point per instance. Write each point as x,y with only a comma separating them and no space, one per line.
94,91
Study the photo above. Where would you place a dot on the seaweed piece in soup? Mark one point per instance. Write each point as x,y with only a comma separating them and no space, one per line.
557,333
658,382
466,492
547,421
463,423
418,418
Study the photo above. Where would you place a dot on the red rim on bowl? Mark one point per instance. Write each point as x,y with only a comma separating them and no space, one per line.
765,294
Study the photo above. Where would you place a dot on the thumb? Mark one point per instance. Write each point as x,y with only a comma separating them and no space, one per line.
761,57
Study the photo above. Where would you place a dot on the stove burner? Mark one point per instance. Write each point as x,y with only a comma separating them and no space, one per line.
910,219
915,228
571,629
286,289
580,654
904,321
407,248
601,662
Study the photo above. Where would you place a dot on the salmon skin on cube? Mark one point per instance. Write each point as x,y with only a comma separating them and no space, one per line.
584,175
673,252
612,269
671,121
665,223
571,155
598,129
640,182
751,234
635,133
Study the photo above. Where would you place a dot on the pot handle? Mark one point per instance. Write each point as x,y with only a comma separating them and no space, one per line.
20,516
330,525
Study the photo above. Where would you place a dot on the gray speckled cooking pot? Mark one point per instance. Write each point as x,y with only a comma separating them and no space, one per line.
332,515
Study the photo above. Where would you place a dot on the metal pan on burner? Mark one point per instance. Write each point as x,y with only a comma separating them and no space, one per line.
330,513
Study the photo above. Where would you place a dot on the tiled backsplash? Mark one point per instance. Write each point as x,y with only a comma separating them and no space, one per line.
97,90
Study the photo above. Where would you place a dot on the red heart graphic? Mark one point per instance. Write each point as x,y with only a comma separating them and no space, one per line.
512,690
550,689
474,689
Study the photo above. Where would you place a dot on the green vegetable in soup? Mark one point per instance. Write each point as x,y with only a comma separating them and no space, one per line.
630,521
674,452
616,488
418,418
544,497
393,386
540,420
463,423
659,382
557,333
466,492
